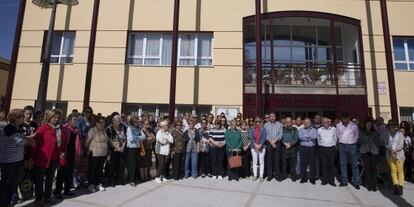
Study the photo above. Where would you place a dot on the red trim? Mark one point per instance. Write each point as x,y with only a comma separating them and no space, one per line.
91,55
259,76
388,58
173,77
15,54
313,14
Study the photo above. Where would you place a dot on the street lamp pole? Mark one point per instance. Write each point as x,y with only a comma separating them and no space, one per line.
44,75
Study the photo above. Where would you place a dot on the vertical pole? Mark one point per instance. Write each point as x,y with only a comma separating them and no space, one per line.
44,75
91,54
173,77
259,104
388,58
15,54
335,68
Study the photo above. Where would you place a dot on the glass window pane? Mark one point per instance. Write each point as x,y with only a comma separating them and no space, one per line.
166,50
56,43
151,61
299,54
324,36
282,54
324,54
281,35
153,45
399,51
68,43
410,45
303,35
338,36
402,66
187,45
204,45
186,62
135,44
54,59
411,66
339,54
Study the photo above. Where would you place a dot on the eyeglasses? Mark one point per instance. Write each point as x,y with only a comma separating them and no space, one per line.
146,123
257,121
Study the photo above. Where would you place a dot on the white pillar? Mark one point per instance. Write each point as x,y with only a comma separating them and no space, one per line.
157,111
140,110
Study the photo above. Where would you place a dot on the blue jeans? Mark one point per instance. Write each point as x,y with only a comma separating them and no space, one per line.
349,153
191,157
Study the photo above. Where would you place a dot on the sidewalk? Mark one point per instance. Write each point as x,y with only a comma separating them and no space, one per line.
208,192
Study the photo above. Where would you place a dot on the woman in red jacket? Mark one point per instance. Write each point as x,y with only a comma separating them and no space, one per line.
47,155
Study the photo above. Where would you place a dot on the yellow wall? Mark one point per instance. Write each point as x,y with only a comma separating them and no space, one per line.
113,82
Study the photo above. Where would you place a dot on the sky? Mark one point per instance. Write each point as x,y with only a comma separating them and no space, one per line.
8,18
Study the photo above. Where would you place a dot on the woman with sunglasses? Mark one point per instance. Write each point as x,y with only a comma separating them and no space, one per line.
395,156
178,149
258,138
146,159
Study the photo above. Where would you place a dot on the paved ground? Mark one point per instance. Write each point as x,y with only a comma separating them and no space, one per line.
208,192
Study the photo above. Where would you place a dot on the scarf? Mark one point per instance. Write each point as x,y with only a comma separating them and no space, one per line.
58,133
67,131
257,134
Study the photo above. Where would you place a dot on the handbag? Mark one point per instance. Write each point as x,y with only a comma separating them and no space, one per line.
235,161
142,150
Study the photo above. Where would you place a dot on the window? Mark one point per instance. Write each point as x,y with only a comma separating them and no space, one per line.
407,114
155,49
62,47
403,53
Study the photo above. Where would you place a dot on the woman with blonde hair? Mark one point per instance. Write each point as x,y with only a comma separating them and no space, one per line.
162,149
48,154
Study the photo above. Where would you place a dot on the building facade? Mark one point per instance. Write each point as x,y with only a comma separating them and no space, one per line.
318,57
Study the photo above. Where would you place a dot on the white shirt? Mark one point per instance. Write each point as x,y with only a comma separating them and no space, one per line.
164,139
327,137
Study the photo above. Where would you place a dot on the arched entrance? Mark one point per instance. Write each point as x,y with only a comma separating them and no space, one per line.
312,63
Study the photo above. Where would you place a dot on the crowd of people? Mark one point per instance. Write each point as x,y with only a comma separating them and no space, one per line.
59,154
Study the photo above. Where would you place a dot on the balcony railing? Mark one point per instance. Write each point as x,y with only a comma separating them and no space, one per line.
305,75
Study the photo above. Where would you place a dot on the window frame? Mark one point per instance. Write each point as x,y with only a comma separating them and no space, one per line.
195,58
407,60
60,56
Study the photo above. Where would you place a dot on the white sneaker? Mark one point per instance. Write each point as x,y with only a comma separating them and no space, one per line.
219,177
158,180
100,187
214,177
165,180
91,188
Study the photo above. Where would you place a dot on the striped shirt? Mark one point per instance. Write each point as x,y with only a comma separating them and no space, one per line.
12,145
217,134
